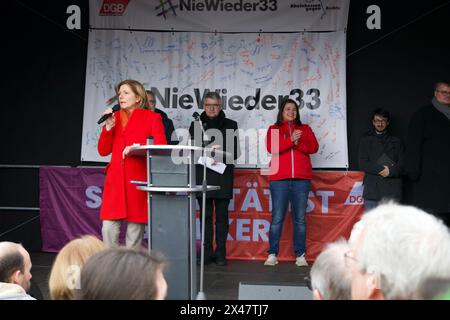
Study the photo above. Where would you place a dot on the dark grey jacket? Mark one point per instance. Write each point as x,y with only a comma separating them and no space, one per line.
371,148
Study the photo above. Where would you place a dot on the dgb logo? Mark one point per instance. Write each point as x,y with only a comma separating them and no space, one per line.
355,196
356,199
113,7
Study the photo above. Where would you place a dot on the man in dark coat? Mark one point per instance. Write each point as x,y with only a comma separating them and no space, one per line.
381,158
167,122
223,136
428,154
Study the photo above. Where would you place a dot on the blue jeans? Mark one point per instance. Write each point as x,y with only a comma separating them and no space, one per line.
282,192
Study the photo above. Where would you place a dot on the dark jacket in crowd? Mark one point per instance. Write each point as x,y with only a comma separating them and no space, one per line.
428,159
168,127
225,180
376,150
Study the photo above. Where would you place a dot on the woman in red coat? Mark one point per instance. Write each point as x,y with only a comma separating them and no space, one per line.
130,126
290,143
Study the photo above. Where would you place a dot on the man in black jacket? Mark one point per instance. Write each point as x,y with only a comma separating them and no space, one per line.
167,122
223,134
381,158
428,154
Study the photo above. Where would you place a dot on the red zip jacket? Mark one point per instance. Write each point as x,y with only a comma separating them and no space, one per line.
290,161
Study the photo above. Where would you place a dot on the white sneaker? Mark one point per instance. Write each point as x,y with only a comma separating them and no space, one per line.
301,261
271,260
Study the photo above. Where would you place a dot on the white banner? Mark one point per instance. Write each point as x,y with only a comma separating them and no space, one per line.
220,15
252,73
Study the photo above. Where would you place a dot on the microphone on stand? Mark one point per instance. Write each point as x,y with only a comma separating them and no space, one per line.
201,295
196,116
106,116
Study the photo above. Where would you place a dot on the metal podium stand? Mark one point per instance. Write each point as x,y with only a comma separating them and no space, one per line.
172,188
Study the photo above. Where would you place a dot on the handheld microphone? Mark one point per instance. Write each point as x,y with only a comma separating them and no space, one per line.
106,116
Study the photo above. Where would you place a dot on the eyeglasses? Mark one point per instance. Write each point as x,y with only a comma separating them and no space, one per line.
152,101
349,259
444,92
380,120
212,106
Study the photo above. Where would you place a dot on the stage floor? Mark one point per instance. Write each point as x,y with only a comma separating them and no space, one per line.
220,283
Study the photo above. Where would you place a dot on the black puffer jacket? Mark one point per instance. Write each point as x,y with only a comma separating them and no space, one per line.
225,180
371,147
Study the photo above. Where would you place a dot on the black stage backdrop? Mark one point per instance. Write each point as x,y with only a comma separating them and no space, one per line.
44,67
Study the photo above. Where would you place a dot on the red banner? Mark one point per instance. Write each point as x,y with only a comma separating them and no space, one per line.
70,199
335,203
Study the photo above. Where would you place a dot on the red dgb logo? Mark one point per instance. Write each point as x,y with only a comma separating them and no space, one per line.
113,7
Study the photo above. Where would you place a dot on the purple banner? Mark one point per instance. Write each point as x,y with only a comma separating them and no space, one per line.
70,200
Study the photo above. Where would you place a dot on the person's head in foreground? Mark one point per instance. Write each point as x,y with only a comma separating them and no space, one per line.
65,273
393,249
15,264
15,271
330,277
123,274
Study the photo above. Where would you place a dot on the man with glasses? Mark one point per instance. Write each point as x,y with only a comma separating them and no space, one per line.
381,158
428,154
394,249
222,134
330,273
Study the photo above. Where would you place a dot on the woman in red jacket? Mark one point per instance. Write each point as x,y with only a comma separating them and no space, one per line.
290,143
130,126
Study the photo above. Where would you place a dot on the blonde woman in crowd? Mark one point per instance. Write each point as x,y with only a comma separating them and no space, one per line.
66,269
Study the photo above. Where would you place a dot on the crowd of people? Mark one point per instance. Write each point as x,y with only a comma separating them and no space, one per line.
394,252
86,269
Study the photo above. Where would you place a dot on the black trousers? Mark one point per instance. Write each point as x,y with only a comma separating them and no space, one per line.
220,207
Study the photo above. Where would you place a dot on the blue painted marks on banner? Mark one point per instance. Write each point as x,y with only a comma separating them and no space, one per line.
311,61
264,68
114,44
331,155
263,79
336,112
245,72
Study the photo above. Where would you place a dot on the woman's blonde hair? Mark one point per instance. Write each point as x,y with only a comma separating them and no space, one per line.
66,269
137,88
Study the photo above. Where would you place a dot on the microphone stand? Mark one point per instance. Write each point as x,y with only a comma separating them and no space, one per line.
201,295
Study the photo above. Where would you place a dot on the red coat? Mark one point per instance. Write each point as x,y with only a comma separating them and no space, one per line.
289,160
121,199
